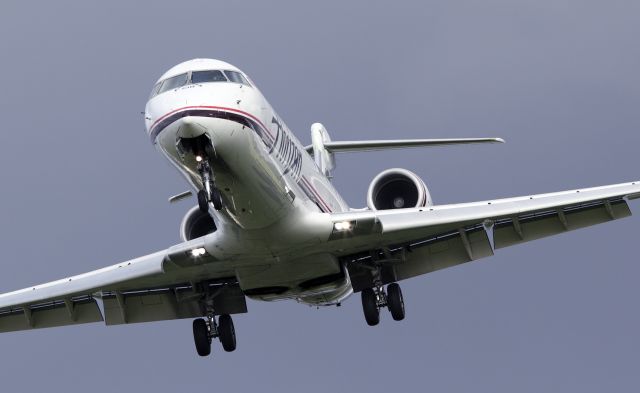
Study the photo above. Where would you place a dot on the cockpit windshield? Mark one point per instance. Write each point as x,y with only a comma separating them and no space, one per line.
198,77
207,76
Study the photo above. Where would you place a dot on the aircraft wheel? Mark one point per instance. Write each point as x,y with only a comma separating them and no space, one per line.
370,307
216,199
227,332
201,337
395,303
203,204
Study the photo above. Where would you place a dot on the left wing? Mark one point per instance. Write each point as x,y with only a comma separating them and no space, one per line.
409,242
150,288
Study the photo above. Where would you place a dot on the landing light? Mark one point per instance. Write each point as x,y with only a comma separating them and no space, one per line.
196,252
198,158
342,226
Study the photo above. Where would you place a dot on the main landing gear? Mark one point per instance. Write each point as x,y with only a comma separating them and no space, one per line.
206,329
209,192
373,299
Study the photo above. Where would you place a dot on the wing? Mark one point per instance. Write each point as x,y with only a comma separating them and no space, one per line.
154,287
405,243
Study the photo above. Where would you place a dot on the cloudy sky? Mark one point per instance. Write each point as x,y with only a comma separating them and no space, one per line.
82,187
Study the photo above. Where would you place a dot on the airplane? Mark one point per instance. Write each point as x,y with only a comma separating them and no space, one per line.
269,225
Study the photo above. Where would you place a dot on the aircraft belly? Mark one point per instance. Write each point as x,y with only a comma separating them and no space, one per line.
316,279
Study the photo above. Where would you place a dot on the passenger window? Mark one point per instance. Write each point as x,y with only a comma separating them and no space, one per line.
207,76
173,83
237,77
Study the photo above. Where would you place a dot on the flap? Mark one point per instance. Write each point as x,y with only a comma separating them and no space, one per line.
72,312
169,303
422,257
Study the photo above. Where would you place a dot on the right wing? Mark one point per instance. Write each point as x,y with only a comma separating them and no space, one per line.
154,287
410,242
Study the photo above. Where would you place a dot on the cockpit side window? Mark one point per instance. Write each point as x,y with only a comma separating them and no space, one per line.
155,89
173,83
237,77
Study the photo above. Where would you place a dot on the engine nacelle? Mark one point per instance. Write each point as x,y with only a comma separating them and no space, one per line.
196,224
396,189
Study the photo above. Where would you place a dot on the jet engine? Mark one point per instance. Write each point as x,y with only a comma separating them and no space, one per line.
396,189
196,224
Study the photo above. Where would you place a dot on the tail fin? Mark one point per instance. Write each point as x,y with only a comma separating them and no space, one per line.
322,156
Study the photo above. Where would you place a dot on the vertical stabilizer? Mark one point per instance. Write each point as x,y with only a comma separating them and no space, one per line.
324,159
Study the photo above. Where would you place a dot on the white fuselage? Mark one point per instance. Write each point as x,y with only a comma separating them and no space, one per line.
270,185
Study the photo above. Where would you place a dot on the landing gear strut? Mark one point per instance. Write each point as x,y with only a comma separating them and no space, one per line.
209,192
206,329
373,299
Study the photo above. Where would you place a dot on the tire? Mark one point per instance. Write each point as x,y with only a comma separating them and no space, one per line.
370,307
395,302
227,333
201,337
203,204
216,199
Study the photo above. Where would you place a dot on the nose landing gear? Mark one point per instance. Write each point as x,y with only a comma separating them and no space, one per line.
209,192
202,149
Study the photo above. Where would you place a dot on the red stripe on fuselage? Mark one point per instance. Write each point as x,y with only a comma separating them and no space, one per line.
218,108
316,193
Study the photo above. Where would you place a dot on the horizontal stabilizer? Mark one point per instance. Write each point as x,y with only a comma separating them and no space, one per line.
351,146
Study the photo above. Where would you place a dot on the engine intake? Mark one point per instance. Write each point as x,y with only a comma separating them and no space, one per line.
397,189
196,224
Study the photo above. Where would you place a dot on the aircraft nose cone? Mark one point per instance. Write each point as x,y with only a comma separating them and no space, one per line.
190,127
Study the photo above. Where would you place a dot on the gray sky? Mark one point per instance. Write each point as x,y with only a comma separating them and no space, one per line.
84,188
